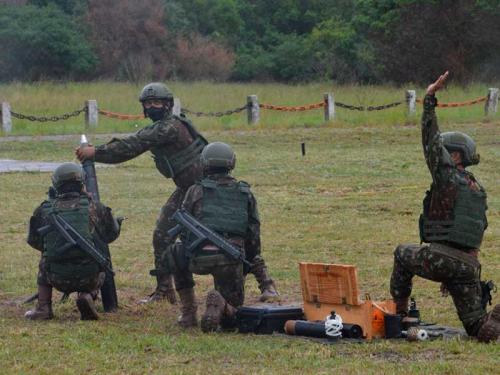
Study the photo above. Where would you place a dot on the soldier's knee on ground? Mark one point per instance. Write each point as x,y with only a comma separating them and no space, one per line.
399,251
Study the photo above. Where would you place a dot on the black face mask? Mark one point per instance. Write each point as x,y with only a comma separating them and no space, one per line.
155,114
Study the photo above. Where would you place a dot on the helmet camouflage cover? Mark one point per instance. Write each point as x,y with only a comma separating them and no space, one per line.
218,155
457,141
155,90
67,172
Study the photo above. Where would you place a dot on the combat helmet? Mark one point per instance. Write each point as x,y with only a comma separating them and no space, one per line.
156,90
457,141
218,155
67,172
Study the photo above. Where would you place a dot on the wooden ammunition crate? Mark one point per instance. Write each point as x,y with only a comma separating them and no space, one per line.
334,287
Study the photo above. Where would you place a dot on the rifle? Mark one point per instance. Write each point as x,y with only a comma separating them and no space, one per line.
203,235
108,288
73,238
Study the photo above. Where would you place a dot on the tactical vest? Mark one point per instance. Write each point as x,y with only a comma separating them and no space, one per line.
73,262
469,218
225,207
171,164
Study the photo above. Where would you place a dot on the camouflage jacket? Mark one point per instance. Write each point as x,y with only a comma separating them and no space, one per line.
441,166
170,133
103,225
193,204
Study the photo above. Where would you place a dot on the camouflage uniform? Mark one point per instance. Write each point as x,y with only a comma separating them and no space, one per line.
228,274
450,262
103,227
171,136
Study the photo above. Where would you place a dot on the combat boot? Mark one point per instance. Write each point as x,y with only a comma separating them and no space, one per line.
266,284
216,310
43,310
188,308
164,290
490,329
401,306
86,306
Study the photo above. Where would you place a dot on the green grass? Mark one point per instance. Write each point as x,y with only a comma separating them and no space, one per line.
44,99
353,197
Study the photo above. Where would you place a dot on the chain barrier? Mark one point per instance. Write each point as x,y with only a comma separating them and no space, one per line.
369,108
214,114
292,108
64,116
119,116
458,104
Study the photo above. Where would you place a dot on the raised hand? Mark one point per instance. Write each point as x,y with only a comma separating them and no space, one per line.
438,85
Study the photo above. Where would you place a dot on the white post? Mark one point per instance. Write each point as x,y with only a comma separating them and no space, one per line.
92,114
6,118
411,102
176,110
491,105
253,109
329,106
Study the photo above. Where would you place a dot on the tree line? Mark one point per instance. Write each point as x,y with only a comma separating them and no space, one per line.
365,41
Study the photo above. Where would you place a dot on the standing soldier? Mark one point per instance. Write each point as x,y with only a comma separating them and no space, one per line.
452,227
227,207
70,269
176,147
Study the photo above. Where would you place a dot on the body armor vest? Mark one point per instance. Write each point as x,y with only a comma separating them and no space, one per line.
468,222
225,207
170,164
73,262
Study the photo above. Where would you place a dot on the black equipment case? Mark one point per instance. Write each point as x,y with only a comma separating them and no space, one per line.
266,318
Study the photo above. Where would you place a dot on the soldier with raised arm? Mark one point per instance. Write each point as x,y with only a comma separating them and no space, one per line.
451,227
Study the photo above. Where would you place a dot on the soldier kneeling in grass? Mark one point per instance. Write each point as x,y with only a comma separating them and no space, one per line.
65,229
451,227
227,209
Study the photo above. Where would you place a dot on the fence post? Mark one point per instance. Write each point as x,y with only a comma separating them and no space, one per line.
491,105
92,114
329,106
6,118
176,110
253,109
411,102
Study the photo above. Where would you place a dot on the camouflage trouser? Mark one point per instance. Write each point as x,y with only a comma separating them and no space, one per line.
87,284
457,270
228,277
161,240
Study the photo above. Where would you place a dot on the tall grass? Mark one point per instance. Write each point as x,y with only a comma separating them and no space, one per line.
44,99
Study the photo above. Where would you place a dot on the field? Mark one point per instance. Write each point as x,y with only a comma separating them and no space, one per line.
351,199
47,99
